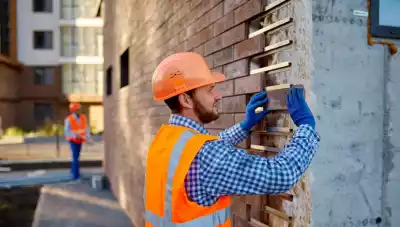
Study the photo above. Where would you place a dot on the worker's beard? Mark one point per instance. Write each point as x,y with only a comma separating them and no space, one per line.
204,115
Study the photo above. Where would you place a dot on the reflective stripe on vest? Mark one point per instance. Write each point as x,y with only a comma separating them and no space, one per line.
215,219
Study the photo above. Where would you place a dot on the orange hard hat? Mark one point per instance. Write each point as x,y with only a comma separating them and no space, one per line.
74,107
182,72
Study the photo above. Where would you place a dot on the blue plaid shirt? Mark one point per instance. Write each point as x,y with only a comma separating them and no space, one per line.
220,168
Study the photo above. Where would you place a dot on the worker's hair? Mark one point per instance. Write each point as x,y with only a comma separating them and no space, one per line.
173,102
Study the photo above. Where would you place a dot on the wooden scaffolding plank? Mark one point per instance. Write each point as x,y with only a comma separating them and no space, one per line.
271,27
271,68
274,4
278,213
255,223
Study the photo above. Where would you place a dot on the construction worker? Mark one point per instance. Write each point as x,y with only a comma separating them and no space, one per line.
190,174
76,132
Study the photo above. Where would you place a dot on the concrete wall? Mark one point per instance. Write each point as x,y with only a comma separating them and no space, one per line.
27,22
356,171
354,179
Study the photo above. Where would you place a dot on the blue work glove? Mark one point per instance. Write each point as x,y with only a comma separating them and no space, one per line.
252,118
298,108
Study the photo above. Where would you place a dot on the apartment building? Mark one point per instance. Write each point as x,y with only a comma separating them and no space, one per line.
59,44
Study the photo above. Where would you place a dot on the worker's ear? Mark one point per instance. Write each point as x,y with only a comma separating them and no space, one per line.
186,101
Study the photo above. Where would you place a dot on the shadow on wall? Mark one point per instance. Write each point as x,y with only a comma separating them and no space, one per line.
138,119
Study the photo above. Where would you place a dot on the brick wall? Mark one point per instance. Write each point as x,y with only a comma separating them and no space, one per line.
8,92
219,30
27,89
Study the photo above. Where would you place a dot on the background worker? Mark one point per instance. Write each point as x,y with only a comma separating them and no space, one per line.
76,132
203,171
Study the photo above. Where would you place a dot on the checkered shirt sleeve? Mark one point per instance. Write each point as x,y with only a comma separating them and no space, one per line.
220,168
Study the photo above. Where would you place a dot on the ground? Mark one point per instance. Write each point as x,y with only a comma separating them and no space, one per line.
47,151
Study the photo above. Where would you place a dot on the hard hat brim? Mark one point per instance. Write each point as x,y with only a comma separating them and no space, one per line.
216,77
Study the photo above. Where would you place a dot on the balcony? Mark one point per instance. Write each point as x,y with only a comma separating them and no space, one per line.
74,9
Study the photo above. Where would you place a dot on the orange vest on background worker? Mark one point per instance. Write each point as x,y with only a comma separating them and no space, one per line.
168,162
77,126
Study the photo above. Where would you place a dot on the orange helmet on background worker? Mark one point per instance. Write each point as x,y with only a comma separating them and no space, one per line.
74,107
182,72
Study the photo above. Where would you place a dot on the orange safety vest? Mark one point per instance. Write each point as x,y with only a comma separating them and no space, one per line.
168,162
78,128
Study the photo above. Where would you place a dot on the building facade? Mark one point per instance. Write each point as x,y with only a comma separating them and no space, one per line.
351,86
59,43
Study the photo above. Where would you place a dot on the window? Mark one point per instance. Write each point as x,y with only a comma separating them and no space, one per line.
124,67
109,81
43,76
4,27
81,41
385,18
42,6
85,79
72,9
43,39
43,111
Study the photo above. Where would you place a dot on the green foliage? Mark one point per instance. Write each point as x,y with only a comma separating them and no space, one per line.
48,129
14,131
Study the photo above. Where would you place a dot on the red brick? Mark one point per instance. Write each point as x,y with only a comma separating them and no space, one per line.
188,20
209,4
207,19
223,56
224,121
239,117
234,104
182,35
180,13
277,99
224,24
191,30
218,69
227,38
249,84
237,69
194,3
230,5
249,47
278,119
248,10
159,111
177,5
200,37
225,88
210,61
239,209
199,49
173,42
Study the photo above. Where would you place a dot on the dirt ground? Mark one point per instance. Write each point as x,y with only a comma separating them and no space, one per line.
17,206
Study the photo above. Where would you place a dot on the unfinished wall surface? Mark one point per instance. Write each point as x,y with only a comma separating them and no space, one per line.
225,32
355,175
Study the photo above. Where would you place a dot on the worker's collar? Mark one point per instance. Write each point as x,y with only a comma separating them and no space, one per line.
187,122
75,114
